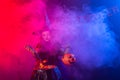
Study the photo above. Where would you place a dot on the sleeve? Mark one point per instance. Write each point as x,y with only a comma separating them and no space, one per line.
60,49
37,49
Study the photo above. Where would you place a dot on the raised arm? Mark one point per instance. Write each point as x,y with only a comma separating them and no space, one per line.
33,51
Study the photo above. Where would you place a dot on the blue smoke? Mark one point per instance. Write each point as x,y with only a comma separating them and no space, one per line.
88,34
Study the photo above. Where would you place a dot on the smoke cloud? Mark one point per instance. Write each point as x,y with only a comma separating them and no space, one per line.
87,32
88,35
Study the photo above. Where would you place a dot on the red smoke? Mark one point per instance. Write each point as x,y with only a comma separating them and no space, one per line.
17,22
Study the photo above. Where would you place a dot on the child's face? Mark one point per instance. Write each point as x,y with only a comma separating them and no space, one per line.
46,36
